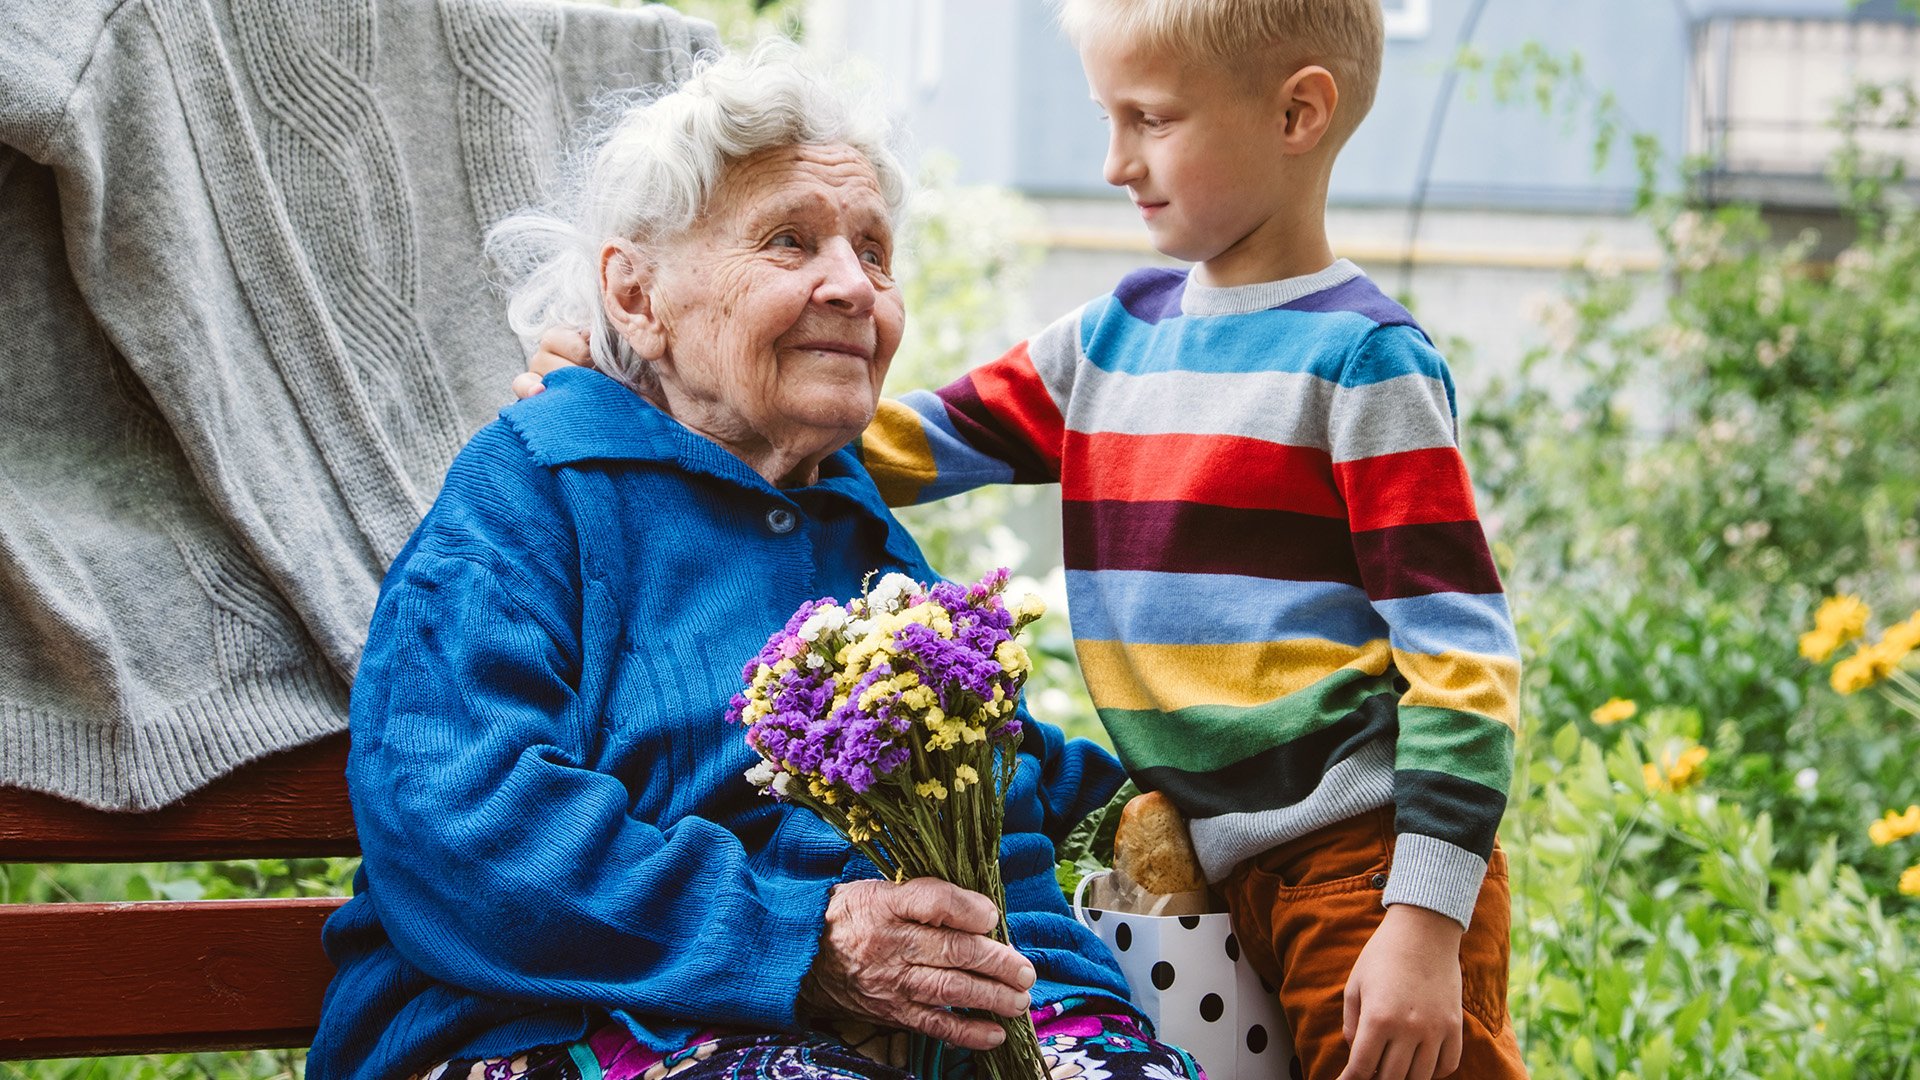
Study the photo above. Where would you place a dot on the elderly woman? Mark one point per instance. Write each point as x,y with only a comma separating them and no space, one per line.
566,873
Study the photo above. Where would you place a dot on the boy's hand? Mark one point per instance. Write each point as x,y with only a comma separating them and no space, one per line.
559,347
1403,1019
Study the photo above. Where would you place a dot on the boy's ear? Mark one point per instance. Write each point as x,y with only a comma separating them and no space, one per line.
627,280
1308,99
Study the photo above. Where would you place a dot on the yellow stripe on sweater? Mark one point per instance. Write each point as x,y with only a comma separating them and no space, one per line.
1464,682
895,450
1169,677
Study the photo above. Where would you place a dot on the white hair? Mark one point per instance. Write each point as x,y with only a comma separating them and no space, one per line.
647,170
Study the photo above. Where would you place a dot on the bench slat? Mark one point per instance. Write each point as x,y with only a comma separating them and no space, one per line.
288,805
86,979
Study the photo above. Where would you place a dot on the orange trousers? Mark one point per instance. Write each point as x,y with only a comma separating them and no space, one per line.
1303,911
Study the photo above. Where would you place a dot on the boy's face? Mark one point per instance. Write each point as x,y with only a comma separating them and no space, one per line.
1198,148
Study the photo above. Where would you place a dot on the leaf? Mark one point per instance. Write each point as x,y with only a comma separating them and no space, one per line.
1091,841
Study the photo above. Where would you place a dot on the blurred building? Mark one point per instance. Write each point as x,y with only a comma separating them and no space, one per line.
1472,209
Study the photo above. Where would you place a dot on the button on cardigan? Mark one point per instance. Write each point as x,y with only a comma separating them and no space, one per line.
554,814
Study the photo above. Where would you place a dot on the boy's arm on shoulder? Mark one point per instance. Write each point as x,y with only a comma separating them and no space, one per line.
1425,564
1001,423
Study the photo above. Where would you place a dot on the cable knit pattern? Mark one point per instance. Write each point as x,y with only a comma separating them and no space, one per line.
331,149
509,111
279,284
250,325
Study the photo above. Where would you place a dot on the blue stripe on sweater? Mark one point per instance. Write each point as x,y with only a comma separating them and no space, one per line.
1301,342
1150,607
959,466
1452,623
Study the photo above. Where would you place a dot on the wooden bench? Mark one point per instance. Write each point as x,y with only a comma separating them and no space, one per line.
164,976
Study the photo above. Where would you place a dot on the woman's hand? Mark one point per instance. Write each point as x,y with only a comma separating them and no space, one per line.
559,347
903,955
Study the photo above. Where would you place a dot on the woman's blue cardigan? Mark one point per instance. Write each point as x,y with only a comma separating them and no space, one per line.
554,816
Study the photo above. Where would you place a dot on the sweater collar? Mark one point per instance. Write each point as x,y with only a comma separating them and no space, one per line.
586,416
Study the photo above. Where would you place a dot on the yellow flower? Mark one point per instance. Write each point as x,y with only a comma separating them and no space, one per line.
1910,880
1845,617
859,824
1028,608
1674,771
964,777
1853,674
1817,645
1899,640
1012,656
931,789
877,691
1894,826
1614,711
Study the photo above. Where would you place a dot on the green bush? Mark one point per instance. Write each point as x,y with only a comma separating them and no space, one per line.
1672,498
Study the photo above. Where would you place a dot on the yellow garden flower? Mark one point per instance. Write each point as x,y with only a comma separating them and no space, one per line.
1910,880
1899,641
1817,645
964,777
1675,771
1614,711
1843,616
1839,620
1894,826
1854,674
933,789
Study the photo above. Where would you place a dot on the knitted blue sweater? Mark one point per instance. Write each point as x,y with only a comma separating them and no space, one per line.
554,815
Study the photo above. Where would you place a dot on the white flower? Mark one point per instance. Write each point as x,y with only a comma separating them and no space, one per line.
762,773
816,661
780,782
1028,607
893,592
823,621
1806,779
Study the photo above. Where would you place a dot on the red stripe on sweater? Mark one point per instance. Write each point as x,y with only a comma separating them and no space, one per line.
1011,390
1216,470
1414,487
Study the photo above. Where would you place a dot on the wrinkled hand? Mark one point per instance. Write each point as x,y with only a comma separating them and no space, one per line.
559,347
903,955
1403,1019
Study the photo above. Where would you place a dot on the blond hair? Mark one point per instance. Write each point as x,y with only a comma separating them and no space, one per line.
1347,37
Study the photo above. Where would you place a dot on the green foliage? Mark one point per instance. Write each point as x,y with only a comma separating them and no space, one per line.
1658,935
740,22
1089,847
1671,497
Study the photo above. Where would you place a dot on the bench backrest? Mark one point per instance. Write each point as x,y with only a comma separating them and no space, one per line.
162,976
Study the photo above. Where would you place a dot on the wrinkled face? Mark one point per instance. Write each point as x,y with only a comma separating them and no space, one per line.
778,306
1194,146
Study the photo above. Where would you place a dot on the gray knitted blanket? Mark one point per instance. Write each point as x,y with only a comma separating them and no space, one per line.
245,323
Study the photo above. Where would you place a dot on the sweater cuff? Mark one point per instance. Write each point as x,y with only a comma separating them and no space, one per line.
1435,875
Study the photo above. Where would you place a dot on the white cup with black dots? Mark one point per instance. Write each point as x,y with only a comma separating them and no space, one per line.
1187,974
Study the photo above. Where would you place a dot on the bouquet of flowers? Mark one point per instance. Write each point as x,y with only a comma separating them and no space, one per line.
892,717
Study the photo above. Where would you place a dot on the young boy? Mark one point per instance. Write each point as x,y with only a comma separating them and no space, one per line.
1281,597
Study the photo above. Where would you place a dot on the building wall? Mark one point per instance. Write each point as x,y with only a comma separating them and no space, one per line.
1512,200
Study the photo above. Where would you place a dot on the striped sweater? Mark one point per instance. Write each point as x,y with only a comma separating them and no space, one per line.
1280,593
